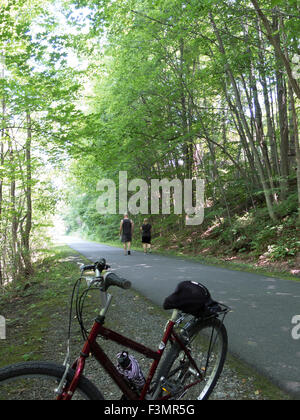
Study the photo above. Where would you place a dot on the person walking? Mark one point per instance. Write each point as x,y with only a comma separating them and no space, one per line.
126,233
146,229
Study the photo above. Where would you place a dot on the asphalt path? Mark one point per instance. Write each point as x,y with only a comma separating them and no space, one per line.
260,323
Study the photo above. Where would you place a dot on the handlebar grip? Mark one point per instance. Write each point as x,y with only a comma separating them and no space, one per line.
112,279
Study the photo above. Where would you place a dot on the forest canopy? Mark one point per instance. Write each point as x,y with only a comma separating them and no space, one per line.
163,90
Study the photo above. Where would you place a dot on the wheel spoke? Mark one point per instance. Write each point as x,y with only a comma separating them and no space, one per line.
39,380
208,348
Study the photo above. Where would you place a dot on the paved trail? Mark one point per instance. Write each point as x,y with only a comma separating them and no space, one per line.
259,326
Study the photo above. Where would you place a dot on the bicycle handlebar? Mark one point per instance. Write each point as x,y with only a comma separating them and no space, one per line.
99,265
109,279
112,279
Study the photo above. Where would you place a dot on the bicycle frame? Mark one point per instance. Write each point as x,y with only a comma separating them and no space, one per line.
91,347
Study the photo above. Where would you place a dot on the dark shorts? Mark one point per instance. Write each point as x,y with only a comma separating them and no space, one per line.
146,239
126,237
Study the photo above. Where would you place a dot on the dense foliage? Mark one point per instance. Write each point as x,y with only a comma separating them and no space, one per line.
161,89
38,115
205,89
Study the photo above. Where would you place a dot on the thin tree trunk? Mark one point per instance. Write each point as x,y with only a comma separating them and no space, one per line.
292,132
283,118
259,130
28,194
239,127
1,197
3,106
14,222
291,104
297,146
260,168
275,41
270,124
216,178
298,172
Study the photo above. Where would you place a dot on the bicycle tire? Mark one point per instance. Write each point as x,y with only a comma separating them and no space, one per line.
35,371
175,352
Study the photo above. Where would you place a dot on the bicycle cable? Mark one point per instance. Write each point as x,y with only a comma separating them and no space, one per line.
67,358
81,302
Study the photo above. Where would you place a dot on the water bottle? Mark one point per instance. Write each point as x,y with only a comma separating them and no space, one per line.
130,369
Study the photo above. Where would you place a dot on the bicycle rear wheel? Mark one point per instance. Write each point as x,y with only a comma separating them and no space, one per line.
208,344
38,381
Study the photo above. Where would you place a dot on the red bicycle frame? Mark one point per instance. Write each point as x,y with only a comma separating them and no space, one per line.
92,347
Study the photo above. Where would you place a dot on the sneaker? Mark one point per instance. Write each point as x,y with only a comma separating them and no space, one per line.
129,253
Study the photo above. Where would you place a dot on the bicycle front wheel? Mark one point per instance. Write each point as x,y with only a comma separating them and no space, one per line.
208,344
38,381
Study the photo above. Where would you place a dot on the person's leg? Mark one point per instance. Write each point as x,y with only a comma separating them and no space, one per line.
145,247
128,247
149,248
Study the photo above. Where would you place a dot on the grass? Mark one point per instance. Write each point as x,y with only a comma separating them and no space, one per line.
30,311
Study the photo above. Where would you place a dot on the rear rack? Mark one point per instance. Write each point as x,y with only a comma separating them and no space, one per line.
216,312
224,308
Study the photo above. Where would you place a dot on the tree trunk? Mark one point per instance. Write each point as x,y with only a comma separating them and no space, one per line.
239,127
297,146
283,118
216,179
298,172
259,130
188,146
3,106
14,221
1,196
275,41
292,132
270,123
259,164
28,194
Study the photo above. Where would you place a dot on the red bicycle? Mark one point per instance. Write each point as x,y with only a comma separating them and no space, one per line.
187,364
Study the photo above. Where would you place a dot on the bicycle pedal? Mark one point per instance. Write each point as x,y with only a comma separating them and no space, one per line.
166,390
174,392
169,388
